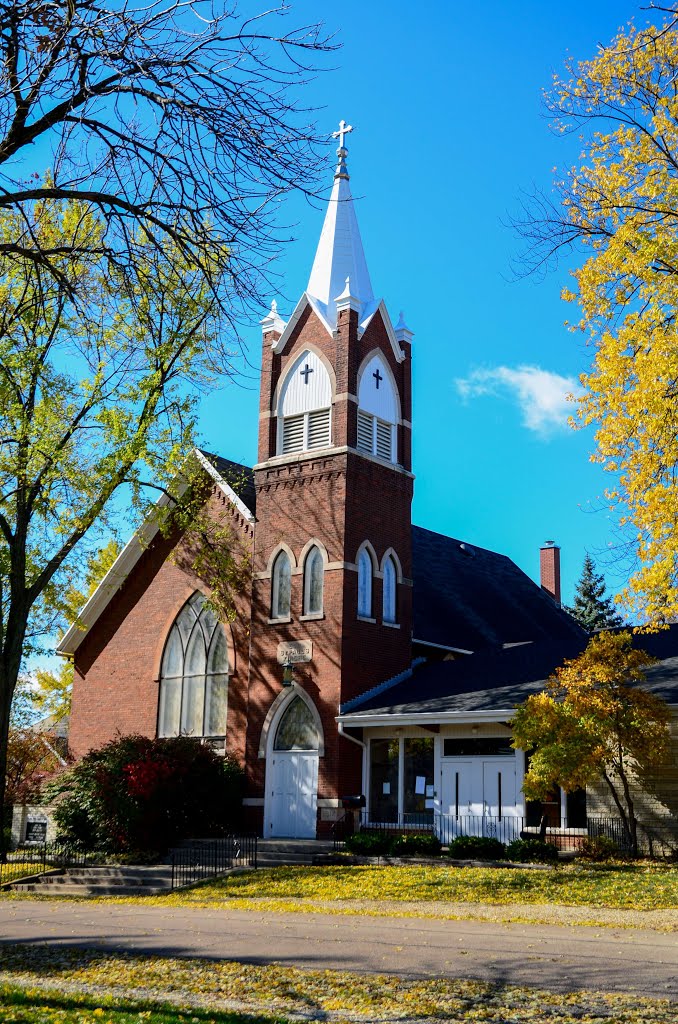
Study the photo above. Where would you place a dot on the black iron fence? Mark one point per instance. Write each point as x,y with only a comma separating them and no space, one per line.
200,861
35,859
653,840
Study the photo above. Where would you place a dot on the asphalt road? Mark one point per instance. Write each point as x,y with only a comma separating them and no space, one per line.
556,958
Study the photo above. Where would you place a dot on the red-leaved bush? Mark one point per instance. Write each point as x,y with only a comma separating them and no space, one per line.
145,794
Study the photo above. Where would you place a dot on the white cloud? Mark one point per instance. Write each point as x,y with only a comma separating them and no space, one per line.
540,394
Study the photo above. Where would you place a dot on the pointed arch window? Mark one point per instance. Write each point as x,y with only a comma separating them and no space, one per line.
194,674
282,587
365,573
297,729
389,596
304,408
314,570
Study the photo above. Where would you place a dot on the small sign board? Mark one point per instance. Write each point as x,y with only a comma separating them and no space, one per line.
36,831
294,652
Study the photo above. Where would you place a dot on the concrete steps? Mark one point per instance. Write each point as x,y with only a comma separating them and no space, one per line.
102,880
154,879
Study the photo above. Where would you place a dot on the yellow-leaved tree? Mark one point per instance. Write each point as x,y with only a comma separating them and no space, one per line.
594,722
618,208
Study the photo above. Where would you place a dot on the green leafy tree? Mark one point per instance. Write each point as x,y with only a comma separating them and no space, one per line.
591,608
100,377
595,722
52,689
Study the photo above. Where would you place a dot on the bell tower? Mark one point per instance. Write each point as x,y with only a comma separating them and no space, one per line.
332,562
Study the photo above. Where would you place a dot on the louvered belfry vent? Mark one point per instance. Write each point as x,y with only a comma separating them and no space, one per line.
319,429
293,434
384,440
365,432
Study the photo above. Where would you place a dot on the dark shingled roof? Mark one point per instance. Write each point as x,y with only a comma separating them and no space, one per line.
473,599
500,679
240,478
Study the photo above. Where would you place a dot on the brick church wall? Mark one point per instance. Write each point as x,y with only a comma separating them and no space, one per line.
117,665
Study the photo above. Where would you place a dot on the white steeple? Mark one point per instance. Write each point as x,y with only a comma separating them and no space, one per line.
340,250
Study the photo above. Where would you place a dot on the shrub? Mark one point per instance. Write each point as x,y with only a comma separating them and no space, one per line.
531,851
369,844
477,848
144,794
598,848
415,844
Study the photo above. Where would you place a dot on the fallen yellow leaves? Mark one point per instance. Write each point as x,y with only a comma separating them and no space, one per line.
101,987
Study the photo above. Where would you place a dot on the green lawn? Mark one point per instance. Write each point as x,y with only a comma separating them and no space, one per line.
626,887
55,985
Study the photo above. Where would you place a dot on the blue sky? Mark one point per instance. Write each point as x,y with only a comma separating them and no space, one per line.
450,127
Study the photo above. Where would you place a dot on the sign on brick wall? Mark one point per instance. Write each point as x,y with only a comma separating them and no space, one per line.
294,652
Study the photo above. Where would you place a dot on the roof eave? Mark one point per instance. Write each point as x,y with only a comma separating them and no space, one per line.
425,718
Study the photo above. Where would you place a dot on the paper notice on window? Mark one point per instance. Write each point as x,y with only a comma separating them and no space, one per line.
429,791
386,789
420,785
428,804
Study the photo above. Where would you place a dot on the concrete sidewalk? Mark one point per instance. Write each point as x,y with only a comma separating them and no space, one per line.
560,959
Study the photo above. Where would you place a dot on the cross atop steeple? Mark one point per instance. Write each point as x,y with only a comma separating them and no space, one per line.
344,129
342,152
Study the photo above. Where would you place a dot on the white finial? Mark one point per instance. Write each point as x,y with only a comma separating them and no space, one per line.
273,321
402,331
347,300
342,152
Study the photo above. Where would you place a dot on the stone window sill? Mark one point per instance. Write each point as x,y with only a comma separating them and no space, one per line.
311,616
391,625
279,622
365,618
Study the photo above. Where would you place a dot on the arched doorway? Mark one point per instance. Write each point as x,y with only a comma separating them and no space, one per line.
292,771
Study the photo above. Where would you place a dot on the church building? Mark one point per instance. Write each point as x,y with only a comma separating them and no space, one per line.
368,656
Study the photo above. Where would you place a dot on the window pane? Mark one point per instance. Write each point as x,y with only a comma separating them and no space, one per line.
418,779
208,621
364,584
314,582
217,660
195,655
389,591
384,780
170,707
282,586
297,730
215,705
173,655
193,707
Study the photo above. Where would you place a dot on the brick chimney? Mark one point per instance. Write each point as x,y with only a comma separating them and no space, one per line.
549,569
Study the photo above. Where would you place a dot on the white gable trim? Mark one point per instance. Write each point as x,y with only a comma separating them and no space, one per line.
304,301
439,718
128,558
395,344
224,487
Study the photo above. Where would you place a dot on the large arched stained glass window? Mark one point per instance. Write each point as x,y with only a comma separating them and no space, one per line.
194,674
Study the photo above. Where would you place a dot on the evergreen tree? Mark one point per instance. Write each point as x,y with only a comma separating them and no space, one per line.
591,608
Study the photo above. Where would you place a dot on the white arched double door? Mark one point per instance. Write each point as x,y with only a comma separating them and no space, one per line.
292,773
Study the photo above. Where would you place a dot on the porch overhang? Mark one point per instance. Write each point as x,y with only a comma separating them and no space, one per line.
395,720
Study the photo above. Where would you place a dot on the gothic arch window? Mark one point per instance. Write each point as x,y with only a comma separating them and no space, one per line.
365,574
314,571
305,406
194,674
297,729
378,410
281,590
389,592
